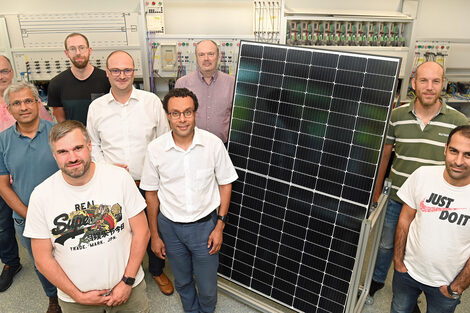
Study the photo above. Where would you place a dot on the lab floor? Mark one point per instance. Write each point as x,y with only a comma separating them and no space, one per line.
26,296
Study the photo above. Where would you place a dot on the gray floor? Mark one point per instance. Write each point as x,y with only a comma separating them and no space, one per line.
26,296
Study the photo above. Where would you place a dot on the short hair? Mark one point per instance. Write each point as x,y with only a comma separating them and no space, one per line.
8,60
73,35
215,44
116,51
464,129
63,128
179,93
15,87
417,69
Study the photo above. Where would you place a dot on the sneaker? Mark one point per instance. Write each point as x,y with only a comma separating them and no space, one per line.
374,287
54,306
6,278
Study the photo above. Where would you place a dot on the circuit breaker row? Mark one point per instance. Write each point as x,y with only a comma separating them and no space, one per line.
344,33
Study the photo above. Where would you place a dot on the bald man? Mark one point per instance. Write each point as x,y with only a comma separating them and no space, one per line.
213,88
121,124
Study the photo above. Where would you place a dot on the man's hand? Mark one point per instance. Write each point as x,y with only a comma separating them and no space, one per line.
215,240
445,292
93,297
124,166
158,247
119,294
400,266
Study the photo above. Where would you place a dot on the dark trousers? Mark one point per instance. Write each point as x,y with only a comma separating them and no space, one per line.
8,243
156,264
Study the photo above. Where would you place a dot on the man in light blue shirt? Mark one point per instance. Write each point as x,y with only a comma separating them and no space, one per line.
26,157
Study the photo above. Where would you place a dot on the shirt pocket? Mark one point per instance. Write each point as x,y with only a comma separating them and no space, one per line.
204,178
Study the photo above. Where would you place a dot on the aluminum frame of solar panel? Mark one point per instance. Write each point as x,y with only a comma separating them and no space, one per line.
306,136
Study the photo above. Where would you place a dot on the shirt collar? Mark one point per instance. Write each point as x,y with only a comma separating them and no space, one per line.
41,127
110,98
170,144
444,109
213,77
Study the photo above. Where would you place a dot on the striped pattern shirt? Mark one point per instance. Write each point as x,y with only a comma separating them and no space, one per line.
416,146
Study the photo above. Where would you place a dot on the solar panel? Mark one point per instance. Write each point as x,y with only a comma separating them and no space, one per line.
306,133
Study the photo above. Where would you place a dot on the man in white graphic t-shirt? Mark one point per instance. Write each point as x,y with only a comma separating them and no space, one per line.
91,239
432,240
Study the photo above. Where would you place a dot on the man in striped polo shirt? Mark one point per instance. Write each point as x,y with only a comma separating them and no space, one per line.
418,133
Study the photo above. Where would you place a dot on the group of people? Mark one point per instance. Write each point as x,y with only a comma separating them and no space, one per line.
123,173
84,195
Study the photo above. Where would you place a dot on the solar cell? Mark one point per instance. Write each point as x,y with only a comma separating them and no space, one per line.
306,134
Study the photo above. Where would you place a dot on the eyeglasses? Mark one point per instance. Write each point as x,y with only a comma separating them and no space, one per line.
75,49
176,115
4,72
116,72
27,101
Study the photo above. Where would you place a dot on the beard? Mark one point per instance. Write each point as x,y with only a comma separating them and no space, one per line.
80,64
427,102
77,172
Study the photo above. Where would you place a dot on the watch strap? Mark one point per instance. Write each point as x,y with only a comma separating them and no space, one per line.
453,294
128,280
223,218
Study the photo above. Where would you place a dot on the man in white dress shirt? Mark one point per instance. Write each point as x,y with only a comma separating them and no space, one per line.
188,176
121,124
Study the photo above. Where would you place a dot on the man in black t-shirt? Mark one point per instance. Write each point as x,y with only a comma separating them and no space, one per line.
71,92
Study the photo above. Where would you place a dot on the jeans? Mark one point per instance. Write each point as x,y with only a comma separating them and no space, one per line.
187,252
8,244
50,289
156,264
406,291
385,252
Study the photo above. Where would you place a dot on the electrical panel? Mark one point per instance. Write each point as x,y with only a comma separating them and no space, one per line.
267,21
431,51
44,31
173,58
43,66
154,16
37,40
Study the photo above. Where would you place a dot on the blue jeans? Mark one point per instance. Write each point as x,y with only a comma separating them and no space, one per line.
50,289
187,252
406,291
8,245
385,252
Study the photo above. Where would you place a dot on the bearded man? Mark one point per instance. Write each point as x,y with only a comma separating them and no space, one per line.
71,92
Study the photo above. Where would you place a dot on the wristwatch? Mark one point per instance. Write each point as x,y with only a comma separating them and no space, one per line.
128,280
453,294
223,218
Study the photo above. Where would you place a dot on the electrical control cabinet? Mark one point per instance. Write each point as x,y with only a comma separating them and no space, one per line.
37,40
174,57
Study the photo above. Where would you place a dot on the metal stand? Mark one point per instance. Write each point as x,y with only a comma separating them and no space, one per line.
247,299
375,221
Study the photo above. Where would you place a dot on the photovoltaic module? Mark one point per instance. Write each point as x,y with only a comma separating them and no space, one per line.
306,134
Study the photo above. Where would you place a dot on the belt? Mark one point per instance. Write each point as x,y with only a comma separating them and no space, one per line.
137,183
201,220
